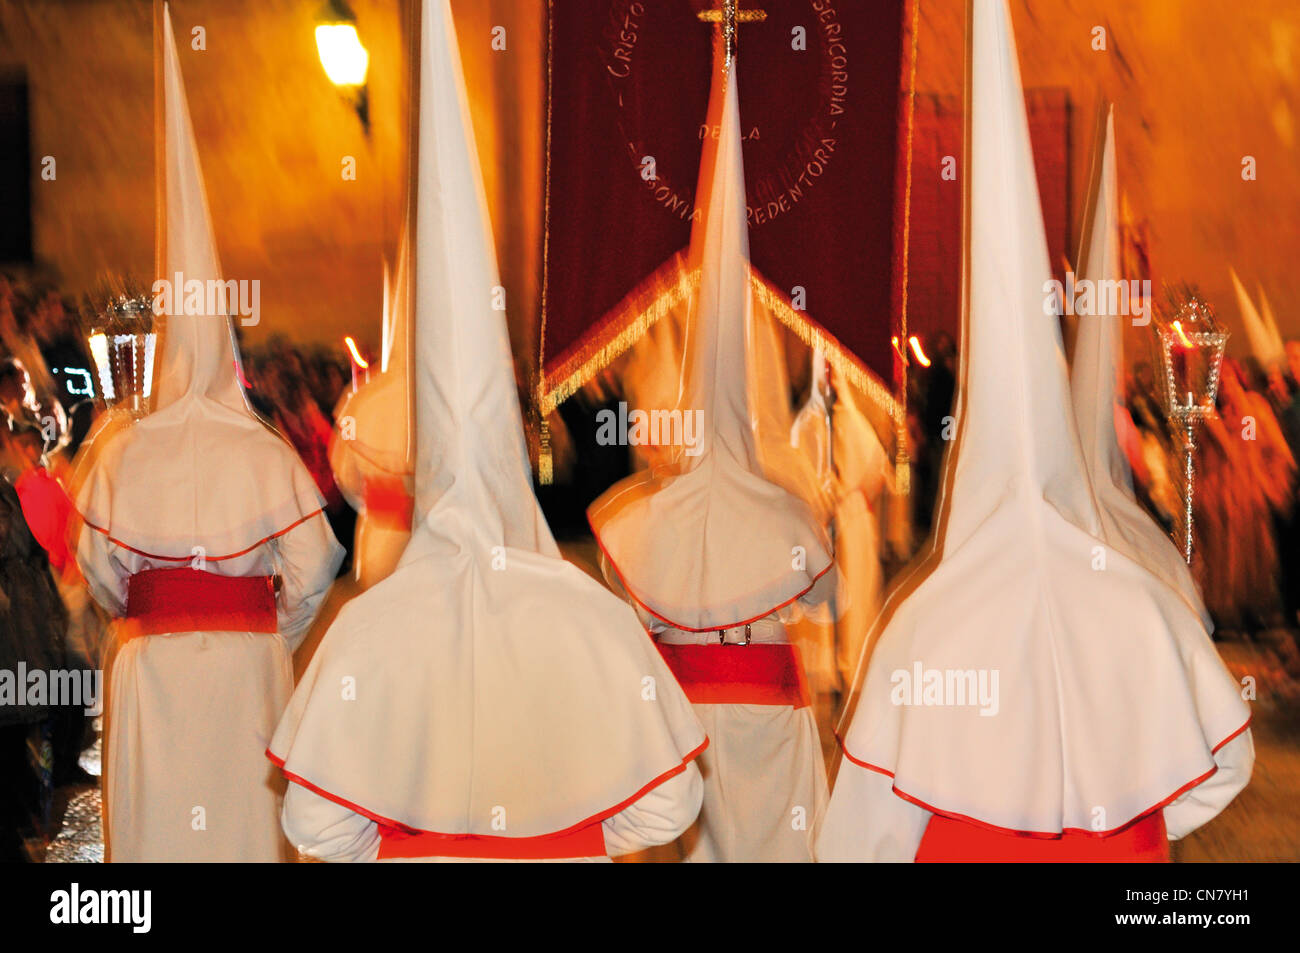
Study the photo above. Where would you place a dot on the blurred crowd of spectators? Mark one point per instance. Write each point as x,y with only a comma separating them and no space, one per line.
1246,520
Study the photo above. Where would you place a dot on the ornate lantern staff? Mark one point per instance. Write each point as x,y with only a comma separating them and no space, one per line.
122,340
1191,348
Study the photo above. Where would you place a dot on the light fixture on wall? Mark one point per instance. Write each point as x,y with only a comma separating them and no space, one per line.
343,57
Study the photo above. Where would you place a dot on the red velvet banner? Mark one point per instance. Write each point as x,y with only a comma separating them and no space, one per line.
819,102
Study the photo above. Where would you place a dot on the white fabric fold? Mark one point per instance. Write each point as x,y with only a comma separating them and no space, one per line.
1125,525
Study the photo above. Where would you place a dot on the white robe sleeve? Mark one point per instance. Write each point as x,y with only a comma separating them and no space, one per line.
106,576
867,821
349,471
659,816
306,559
1203,803
327,831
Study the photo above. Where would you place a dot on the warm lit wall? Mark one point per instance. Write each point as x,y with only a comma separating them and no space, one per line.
1197,85
272,133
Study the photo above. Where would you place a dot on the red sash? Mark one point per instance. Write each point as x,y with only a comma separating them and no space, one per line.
388,502
951,841
189,600
755,674
588,841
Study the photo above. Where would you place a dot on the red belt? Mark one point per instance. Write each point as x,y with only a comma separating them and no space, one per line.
753,674
189,600
588,841
948,840
387,501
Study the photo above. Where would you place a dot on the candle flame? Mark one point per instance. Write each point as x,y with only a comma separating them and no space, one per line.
916,349
360,361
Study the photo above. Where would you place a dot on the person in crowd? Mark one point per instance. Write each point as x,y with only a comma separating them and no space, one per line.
298,417
32,626
48,512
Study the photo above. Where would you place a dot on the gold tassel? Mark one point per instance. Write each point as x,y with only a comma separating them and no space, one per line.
545,471
898,524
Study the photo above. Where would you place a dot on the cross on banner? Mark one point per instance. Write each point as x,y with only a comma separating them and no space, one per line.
729,16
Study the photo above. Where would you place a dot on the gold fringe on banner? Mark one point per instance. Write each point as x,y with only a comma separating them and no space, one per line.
667,287
814,337
671,284
545,473
902,460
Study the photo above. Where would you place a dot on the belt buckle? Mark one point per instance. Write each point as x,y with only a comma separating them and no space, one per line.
722,636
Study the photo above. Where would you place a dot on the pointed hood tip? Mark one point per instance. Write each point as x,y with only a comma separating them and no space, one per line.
1124,525
198,355
1014,395
1261,336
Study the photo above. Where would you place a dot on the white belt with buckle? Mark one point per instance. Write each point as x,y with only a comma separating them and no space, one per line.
765,630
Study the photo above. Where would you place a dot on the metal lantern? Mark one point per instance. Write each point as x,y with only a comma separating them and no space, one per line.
1191,348
122,341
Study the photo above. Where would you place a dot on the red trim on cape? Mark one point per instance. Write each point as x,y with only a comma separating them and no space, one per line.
212,559
1054,835
714,628
406,828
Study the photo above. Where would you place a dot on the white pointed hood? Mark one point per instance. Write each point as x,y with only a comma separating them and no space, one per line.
1104,697
493,679
1095,389
1267,348
372,436
198,358
714,540
1277,347
202,472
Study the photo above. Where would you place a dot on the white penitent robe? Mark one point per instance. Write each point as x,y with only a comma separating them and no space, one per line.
205,531
1023,703
718,549
764,775
325,830
487,700
856,476
190,714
